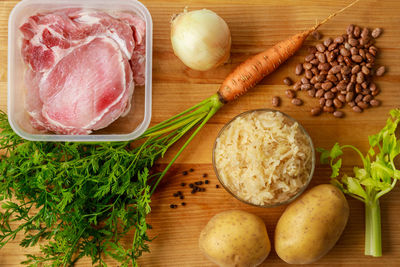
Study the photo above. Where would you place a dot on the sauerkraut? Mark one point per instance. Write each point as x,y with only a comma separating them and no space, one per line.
263,157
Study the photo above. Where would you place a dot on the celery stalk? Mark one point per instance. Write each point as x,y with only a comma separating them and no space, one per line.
373,243
377,177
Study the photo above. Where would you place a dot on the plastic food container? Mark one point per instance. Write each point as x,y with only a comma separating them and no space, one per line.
124,128
271,205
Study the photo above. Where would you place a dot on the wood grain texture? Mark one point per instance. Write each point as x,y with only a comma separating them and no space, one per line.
255,25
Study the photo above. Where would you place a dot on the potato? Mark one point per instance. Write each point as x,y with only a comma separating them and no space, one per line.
311,225
235,238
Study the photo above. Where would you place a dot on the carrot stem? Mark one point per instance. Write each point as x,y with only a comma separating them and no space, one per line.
216,104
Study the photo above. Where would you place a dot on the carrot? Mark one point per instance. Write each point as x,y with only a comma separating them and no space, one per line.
254,69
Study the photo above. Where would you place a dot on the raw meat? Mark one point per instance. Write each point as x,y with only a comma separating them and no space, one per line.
76,104
82,67
138,26
100,23
47,38
32,101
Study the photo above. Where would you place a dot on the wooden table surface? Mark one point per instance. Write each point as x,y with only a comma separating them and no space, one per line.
255,25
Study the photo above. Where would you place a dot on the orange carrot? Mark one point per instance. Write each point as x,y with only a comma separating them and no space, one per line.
254,69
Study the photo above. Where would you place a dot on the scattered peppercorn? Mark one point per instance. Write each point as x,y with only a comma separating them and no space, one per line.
217,186
195,186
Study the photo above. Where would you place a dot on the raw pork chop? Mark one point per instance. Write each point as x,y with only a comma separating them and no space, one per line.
46,38
76,99
138,59
33,103
82,68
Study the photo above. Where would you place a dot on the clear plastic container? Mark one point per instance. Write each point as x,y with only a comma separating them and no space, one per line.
124,128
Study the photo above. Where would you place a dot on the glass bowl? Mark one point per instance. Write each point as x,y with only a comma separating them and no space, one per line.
273,204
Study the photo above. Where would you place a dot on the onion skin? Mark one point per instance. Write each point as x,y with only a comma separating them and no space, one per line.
200,39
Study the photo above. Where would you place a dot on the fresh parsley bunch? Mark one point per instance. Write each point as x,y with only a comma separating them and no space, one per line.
377,177
83,198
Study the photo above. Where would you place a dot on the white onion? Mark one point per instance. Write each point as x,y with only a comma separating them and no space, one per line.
201,39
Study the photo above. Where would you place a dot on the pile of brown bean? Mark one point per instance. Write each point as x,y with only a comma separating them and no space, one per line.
339,71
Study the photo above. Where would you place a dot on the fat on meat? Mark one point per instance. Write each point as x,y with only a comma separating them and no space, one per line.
138,59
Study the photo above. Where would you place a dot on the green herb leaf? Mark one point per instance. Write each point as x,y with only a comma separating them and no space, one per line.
381,172
354,187
374,140
336,151
371,152
324,158
360,173
336,168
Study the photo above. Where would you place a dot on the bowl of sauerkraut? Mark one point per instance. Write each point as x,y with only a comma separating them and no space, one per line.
264,158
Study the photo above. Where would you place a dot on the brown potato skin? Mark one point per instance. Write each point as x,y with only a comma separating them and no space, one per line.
311,225
235,238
